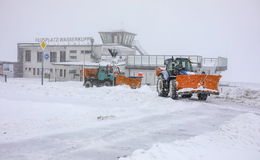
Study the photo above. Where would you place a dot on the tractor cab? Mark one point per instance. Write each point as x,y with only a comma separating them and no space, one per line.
178,66
178,79
108,72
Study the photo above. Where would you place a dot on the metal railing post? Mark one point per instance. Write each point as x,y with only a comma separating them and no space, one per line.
141,60
156,61
149,64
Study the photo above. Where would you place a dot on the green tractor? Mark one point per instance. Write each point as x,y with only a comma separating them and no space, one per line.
109,76
101,76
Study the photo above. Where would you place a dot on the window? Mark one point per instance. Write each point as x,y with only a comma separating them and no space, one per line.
73,51
115,39
39,56
64,73
38,71
26,68
62,56
85,51
33,71
61,72
73,57
28,56
53,57
72,71
170,65
51,70
29,69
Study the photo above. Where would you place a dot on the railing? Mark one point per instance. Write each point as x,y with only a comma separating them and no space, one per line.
141,61
139,48
216,62
157,60
210,62
220,63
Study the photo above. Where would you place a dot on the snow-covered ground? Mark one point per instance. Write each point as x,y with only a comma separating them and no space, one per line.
246,93
63,120
238,139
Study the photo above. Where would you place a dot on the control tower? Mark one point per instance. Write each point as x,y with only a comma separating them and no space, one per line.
118,37
121,38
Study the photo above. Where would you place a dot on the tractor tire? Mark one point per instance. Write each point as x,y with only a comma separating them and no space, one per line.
172,88
202,96
161,90
186,96
107,83
88,84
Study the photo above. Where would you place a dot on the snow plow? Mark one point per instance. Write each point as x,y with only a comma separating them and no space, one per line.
177,79
109,76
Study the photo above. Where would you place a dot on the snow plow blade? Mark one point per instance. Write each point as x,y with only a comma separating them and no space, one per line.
198,83
133,82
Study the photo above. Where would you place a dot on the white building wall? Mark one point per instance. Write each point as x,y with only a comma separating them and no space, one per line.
29,67
53,71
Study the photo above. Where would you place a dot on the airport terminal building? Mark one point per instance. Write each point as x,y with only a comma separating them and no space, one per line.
64,58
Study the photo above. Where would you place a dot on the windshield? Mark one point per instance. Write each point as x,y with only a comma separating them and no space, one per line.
183,64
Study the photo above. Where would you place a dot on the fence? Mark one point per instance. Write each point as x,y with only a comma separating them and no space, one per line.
157,60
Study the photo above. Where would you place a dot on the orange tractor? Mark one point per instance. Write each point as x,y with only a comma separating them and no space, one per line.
177,79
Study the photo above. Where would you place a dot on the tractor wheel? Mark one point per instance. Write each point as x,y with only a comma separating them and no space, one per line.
88,84
163,92
107,83
172,88
202,96
186,96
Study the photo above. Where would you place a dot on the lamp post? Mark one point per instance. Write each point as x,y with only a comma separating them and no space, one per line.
42,67
83,71
43,45
84,63
92,42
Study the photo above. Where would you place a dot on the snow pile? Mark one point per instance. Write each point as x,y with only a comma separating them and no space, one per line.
240,93
238,139
196,90
29,110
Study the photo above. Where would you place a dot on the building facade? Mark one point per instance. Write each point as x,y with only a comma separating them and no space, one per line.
64,62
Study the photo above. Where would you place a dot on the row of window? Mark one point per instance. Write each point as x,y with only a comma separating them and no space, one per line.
38,71
53,55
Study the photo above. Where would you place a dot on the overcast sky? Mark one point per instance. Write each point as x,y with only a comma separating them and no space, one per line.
211,28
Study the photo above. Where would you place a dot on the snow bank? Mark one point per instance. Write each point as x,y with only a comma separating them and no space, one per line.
248,94
238,139
29,110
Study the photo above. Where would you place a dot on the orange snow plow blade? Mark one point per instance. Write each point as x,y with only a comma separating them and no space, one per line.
133,82
198,83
